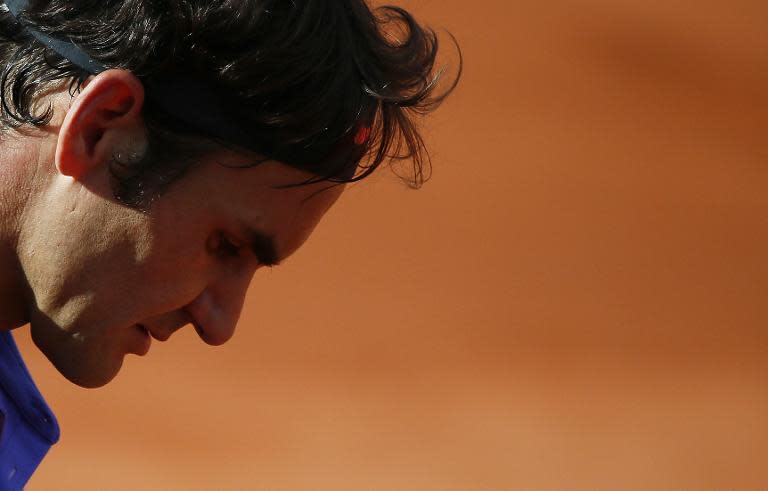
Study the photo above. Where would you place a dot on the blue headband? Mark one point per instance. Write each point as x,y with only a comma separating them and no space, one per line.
67,49
191,101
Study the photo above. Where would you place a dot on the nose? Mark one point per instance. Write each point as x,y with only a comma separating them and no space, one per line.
216,310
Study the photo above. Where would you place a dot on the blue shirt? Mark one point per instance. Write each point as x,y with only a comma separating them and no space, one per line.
28,428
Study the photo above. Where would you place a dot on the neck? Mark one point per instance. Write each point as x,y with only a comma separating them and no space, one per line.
18,162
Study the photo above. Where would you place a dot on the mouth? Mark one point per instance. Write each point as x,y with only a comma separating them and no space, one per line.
142,348
162,337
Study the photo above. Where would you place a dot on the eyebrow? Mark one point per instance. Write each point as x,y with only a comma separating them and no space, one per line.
263,247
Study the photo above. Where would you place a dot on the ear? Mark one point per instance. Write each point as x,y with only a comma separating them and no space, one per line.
105,116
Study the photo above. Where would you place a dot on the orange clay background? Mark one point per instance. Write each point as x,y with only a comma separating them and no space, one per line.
575,301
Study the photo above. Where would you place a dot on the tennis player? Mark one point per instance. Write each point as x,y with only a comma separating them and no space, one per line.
155,154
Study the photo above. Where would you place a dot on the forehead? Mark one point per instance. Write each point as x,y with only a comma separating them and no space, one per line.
268,188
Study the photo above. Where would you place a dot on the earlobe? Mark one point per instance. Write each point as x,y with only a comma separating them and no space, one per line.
104,119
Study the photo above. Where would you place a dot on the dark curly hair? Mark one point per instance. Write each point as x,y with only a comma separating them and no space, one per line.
301,75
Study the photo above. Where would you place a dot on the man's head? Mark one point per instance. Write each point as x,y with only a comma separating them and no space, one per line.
141,214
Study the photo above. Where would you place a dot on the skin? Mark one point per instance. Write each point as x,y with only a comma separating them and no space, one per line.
95,278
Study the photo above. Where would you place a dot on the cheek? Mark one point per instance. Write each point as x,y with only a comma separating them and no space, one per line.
114,270
77,262
173,269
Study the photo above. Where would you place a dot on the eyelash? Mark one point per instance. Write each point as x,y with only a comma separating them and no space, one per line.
227,249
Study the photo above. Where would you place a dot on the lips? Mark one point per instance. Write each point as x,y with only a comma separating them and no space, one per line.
157,336
143,348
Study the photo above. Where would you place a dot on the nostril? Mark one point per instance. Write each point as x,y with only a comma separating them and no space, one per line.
199,329
191,319
210,320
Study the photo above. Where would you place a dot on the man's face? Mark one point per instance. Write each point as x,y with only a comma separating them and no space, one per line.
105,277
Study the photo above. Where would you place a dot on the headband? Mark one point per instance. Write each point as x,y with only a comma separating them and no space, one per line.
173,95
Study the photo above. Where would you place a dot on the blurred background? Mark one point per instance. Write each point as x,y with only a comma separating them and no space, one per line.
575,301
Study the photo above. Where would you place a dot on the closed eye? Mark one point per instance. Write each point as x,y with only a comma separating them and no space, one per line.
226,248
262,247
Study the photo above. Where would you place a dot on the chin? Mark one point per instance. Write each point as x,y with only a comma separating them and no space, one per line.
90,379
81,365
